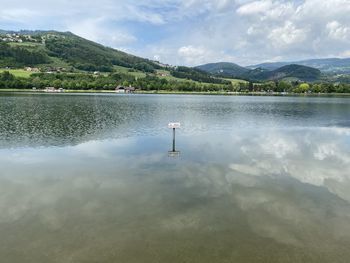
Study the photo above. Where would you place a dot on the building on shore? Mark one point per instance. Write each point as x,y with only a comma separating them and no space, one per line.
122,89
53,90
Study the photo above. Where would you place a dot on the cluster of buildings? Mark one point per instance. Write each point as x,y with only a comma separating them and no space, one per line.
162,74
119,89
49,70
30,69
11,38
53,90
19,38
122,89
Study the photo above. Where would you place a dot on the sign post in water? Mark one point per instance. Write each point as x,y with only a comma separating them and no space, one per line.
174,126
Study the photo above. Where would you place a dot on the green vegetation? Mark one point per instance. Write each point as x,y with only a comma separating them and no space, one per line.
232,70
224,69
328,65
19,56
89,56
196,75
49,49
18,72
85,81
297,87
105,82
131,71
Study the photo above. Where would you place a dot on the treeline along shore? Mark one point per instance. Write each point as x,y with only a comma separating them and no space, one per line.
110,81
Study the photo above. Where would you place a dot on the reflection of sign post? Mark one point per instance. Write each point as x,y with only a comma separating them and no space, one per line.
174,125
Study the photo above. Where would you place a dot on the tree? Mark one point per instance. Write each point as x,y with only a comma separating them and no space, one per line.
6,76
302,88
283,86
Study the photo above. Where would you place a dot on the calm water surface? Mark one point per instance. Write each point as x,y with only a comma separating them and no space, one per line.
87,178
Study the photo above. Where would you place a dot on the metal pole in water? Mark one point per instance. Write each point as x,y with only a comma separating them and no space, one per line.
173,139
174,126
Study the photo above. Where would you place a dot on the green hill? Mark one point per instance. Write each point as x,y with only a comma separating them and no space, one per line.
52,51
196,75
225,69
57,49
328,65
296,71
231,70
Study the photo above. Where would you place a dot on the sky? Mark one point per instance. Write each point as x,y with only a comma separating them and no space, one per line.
194,32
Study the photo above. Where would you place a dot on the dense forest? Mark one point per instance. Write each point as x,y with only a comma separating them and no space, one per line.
89,56
196,75
19,57
37,48
231,70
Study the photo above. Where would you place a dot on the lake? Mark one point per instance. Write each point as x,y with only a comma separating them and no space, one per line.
88,178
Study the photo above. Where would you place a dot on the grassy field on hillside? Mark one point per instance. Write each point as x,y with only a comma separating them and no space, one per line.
26,44
56,62
135,73
236,81
18,72
169,77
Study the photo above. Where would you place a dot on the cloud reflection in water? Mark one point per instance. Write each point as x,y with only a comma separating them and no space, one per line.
262,196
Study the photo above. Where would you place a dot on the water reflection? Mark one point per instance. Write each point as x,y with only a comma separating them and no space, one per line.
35,120
257,195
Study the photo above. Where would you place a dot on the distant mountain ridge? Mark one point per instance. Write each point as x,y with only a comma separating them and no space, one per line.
231,70
327,65
224,68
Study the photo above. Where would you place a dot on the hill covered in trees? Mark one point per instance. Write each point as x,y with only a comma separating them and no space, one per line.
224,69
51,51
327,65
231,70
64,49
293,71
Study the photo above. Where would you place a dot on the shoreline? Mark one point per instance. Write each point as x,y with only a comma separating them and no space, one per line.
165,92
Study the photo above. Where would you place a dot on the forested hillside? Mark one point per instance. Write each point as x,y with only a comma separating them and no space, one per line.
50,48
231,70
87,55
19,56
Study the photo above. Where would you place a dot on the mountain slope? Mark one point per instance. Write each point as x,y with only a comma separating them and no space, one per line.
224,69
296,71
232,70
329,65
66,47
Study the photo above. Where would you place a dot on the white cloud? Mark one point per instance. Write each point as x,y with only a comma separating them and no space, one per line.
99,31
338,31
255,8
192,55
288,34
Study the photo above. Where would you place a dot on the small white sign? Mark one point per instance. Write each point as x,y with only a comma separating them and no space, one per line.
174,125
